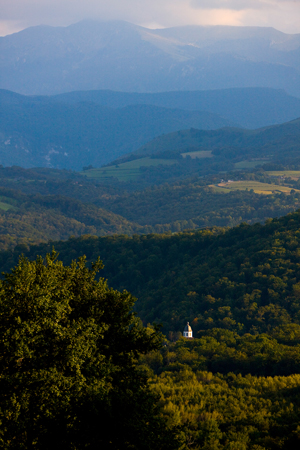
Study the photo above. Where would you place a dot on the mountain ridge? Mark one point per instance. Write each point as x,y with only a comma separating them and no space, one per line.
91,55
249,107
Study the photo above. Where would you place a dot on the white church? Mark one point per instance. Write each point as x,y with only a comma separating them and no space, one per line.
188,332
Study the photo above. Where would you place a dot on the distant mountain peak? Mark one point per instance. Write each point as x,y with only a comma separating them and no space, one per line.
121,56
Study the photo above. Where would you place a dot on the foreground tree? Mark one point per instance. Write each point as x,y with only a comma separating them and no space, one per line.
68,353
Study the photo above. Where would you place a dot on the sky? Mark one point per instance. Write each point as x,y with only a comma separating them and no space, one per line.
283,15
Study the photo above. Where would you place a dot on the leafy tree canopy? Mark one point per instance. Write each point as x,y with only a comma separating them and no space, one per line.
68,373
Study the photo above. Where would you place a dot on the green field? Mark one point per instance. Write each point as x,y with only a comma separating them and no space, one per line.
249,164
126,171
199,154
5,206
294,174
258,188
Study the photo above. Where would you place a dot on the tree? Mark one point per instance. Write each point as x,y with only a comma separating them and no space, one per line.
68,362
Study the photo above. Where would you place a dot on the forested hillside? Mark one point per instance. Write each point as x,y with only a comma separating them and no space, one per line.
193,203
29,219
243,279
33,209
193,152
232,143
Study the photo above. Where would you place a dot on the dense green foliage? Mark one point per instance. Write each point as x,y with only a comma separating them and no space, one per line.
68,366
221,412
218,350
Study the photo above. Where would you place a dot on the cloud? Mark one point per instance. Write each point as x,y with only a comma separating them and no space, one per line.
281,14
239,5
236,5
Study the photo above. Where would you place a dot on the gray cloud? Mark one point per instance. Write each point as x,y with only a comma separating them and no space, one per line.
237,5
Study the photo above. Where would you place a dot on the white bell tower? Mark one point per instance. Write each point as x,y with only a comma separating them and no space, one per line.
188,332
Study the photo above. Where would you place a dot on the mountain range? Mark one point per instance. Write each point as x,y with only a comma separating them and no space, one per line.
125,57
96,127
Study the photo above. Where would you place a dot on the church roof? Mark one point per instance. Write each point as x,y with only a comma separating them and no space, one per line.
187,327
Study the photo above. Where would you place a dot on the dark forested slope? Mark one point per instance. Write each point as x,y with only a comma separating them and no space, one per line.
244,279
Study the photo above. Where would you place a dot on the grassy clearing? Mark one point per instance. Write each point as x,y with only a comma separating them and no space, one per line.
5,206
258,188
248,164
294,174
199,154
126,171
9,201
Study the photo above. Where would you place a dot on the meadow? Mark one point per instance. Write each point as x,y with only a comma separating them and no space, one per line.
294,174
5,206
7,203
126,171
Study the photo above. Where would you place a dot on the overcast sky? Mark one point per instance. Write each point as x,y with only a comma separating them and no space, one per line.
281,14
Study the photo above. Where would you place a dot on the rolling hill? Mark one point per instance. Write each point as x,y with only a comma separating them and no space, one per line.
39,132
275,142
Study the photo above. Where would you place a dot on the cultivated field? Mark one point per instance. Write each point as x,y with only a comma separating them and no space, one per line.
258,188
126,171
294,174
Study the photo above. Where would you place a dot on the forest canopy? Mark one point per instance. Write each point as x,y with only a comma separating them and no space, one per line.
68,367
